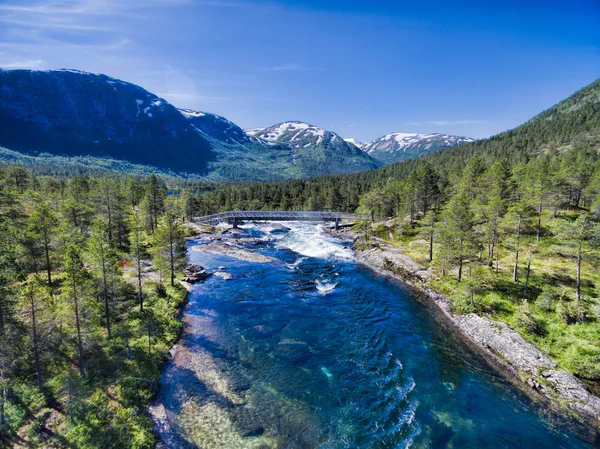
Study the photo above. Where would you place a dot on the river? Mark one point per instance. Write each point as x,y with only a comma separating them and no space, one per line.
314,351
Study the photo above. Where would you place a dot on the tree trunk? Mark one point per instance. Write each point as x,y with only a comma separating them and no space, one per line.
47,252
526,286
2,399
36,346
105,285
171,255
431,246
497,254
71,402
78,325
578,288
139,269
109,216
516,267
460,263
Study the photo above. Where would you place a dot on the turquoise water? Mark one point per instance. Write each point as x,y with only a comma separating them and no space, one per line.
313,351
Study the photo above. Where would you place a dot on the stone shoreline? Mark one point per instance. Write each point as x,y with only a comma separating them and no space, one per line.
523,364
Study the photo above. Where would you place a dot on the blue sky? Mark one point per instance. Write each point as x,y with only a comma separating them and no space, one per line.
359,68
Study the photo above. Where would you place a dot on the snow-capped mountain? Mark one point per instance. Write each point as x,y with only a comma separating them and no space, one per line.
321,150
294,133
216,126
356,143
395,147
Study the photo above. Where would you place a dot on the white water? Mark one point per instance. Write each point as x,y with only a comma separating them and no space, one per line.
310,241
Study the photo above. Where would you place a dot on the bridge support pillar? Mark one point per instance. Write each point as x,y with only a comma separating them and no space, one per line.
337,224
235,223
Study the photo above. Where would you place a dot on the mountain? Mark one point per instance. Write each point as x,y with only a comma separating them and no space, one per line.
396,147
316,150
74,118
72,113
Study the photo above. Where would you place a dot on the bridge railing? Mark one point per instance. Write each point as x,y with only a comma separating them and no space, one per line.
276,215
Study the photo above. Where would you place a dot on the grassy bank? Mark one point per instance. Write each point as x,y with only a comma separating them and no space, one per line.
541,305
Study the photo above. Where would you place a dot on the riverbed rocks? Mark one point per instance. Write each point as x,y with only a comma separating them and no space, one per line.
195,273
279,229
234,231
227,249
292,350
224,275
251,240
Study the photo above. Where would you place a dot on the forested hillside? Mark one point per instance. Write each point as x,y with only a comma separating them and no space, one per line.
88,306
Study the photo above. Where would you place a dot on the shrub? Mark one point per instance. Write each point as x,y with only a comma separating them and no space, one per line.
546,299
570,312
525,319
584,360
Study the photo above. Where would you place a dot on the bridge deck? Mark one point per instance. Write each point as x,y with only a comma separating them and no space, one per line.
278,215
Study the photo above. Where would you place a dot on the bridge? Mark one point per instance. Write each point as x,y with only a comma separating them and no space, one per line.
237,216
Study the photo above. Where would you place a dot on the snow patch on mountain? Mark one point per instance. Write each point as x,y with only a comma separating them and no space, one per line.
403,142
356,143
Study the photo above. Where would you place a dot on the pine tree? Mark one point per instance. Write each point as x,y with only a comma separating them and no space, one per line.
105,268
582,236
42,227
516,223
153,203
429,229
8,271
457,234
169,249
35,297
75,290
136,239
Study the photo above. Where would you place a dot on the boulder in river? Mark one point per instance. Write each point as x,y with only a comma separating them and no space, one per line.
224,275
195,273
232,251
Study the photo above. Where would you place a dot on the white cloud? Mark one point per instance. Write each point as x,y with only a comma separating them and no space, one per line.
23,64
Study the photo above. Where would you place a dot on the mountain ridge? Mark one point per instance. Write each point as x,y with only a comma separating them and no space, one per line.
75,114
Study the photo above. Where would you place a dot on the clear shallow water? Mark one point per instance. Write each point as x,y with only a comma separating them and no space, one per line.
313,351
